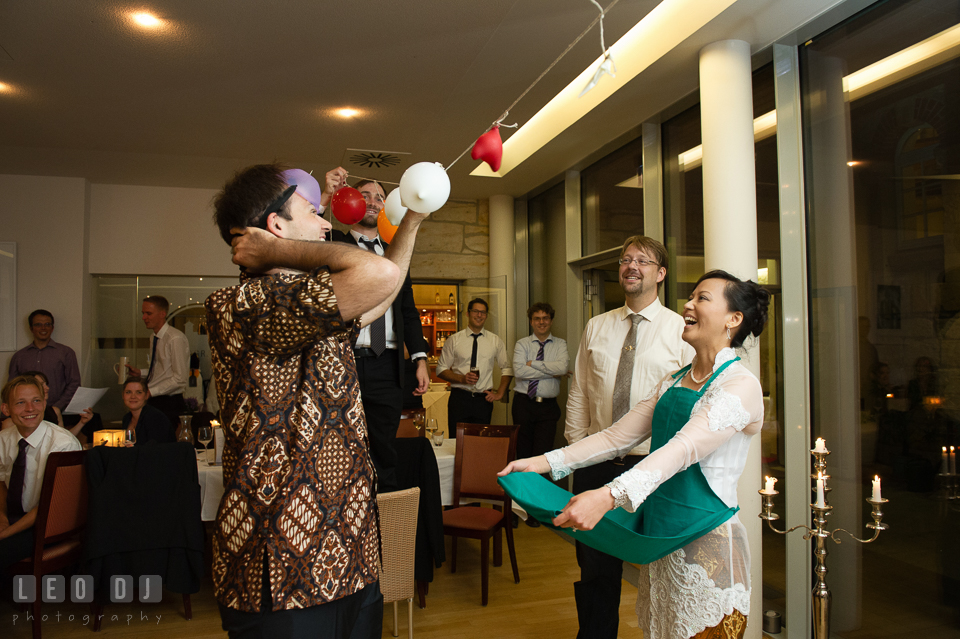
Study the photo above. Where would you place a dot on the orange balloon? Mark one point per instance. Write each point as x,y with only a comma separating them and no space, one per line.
384,227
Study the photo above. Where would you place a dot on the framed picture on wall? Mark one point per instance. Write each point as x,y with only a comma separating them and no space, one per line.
888,306
8,296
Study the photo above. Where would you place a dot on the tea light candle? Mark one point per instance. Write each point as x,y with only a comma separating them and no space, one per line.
768,489
821,446
820,502
876,488
944,464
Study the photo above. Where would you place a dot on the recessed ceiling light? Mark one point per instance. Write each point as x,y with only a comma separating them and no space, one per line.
146,20
347,113
5,87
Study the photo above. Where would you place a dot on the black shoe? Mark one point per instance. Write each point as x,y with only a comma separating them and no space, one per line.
530,521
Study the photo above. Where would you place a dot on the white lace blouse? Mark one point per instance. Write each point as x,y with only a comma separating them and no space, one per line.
694,587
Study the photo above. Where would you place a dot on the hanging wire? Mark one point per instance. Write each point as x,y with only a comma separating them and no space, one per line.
580,37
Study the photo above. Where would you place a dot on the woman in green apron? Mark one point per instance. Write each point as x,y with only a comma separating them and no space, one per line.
700,421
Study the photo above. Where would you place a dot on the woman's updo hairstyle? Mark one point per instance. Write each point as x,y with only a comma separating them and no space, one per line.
747,297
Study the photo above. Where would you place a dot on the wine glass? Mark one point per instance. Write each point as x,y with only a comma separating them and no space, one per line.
205,436
431,427
130,435
418,421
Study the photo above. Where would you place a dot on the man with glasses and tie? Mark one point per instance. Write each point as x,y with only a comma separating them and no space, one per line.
539,363
623,355
467,363
169,361
23,458
379,347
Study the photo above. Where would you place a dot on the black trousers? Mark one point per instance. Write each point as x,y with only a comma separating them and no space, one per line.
357,616
172,406
598,591
382,398
15,548
537,423
470,408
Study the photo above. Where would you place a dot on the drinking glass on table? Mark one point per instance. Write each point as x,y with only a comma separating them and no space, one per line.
437,438
205,436
431,427
130,436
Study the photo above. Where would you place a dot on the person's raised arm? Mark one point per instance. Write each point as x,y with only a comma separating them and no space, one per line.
399,252
361,279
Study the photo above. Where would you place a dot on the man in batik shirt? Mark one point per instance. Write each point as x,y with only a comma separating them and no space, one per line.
296,542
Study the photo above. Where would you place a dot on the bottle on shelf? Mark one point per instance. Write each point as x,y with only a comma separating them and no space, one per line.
436,298
452,300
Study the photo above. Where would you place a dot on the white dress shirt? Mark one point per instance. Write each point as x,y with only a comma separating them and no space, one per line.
170,373
48,438
555,361
456,353
363,339
659,350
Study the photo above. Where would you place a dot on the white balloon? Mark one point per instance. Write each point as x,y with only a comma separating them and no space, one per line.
393,208
424,187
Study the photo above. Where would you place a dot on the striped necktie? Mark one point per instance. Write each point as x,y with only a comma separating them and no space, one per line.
532,386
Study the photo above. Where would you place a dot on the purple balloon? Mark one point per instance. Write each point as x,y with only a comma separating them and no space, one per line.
307,185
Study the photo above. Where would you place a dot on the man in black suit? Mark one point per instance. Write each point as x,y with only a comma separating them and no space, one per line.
379,348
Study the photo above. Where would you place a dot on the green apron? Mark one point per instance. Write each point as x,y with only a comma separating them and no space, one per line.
680,510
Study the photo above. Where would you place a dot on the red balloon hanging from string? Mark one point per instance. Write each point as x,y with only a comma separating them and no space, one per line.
489,148
348,205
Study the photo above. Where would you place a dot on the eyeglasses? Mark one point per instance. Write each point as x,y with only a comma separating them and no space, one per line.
479,312
639,262
42,325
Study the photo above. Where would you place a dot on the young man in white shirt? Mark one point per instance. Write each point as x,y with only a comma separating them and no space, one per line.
22,465
603,390
466,361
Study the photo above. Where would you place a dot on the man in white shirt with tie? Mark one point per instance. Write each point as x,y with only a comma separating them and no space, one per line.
466,361
539,363
23,459
169,361
379,347
623,354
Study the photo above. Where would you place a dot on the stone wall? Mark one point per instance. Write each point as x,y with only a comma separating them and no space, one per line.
453,243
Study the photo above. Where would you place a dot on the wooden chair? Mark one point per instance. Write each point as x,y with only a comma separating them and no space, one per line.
412,422
482,451
61,517
398,538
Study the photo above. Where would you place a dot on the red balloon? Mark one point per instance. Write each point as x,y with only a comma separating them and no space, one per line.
489,148
348,205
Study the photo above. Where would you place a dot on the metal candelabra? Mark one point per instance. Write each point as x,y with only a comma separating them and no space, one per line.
821,593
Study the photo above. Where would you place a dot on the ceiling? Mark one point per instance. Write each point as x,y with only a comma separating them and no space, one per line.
223,84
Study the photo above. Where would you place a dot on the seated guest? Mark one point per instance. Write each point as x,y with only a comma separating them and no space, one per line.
149,422
52,414
23,459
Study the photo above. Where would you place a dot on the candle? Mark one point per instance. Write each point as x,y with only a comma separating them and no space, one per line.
876,488
768,489
953,461
820,502
214,423
944,464
821,446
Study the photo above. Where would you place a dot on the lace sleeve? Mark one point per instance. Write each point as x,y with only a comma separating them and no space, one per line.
558,467
724,409
630,489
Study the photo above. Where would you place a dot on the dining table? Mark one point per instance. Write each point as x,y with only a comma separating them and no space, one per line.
211,486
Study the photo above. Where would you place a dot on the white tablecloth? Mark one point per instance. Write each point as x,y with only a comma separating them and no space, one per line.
211,487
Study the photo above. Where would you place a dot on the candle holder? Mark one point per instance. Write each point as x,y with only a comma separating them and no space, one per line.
949,486
821,592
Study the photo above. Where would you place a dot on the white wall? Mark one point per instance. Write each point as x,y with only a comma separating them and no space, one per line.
47,217
154,230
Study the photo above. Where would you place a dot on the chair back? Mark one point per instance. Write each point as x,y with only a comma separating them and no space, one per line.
412,423
482,451
398,538
62,511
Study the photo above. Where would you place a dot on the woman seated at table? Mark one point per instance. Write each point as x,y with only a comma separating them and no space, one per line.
701,420
150,424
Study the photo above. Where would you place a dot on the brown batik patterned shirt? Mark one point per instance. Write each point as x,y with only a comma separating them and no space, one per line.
298,480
